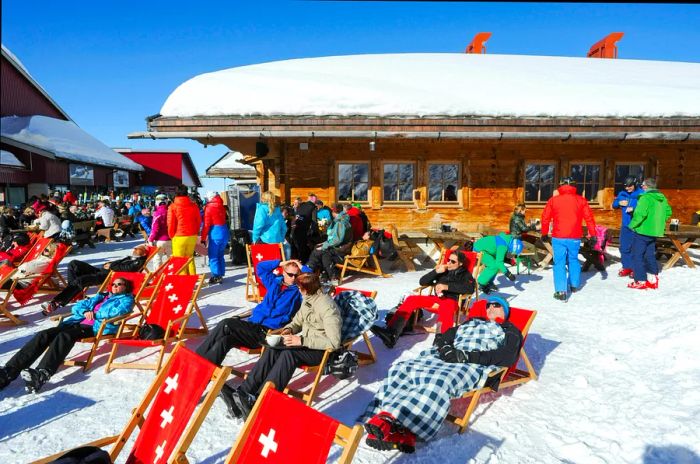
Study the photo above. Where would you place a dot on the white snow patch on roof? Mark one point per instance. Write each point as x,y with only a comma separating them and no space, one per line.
231,160
9,159
444,84
64,139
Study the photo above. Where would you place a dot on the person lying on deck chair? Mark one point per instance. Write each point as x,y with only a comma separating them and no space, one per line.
81,275
315,328
27,271
17,250
414,399
87,317
450,280
280,303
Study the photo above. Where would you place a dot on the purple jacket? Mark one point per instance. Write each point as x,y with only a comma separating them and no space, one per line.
159,228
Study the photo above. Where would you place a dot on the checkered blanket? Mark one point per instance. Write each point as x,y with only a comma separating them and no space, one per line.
358,312
417,392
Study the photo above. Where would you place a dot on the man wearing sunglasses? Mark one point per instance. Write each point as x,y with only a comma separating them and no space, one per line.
87,316
450,280
415,398
277,308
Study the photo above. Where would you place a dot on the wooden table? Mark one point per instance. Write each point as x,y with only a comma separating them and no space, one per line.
441,239
682,240
535,238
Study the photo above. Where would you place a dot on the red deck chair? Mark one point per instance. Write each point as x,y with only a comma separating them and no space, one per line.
48,281
254,289
175,265
6,273
522,319
170,309
168,416
138,279
39,244
307,439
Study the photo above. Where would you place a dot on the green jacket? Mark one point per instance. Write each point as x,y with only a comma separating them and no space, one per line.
318,322
651,214
496,246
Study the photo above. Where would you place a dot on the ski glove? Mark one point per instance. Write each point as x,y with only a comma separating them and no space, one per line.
510,276
450,354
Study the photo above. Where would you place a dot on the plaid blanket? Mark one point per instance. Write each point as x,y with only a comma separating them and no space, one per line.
358,312
417,392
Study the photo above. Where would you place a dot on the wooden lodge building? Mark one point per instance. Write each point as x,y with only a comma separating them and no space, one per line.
422,139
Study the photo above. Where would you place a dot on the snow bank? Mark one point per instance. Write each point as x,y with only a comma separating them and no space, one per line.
618,380
64,139
425,84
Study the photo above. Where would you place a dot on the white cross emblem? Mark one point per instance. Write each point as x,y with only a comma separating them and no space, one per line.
177,309
171,384
259,257
268,442
168,287
159,451
172,298
38,246
167,415
276,272
170,268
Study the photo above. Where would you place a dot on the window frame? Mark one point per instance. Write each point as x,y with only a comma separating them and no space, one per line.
337,182
427,183
415,174
554,180
601,171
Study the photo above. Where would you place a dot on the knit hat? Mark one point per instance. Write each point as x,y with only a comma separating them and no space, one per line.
501,301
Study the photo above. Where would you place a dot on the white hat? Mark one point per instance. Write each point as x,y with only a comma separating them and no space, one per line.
211,195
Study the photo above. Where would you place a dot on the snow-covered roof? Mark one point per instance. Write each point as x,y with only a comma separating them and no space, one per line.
230,165
63,139
9,159
432,84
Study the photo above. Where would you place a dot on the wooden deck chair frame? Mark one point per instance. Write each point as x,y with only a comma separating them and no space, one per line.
360,263
54,282
137,418
403,248
364,359
99,337
252,292
346,437
168,338
8,272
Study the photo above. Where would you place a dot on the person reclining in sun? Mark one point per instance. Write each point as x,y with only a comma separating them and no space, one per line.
414,399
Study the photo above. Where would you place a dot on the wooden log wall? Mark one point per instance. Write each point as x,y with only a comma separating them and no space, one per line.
492,175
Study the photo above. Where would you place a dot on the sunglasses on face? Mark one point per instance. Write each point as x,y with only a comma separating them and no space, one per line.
291,275
453,261
118,284
494,305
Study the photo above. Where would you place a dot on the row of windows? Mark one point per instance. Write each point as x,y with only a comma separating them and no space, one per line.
443,180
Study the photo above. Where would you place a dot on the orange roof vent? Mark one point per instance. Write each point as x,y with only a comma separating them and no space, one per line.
478,43
606,47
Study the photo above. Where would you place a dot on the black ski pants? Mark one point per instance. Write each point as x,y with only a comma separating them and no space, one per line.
80,275
228,334
278,365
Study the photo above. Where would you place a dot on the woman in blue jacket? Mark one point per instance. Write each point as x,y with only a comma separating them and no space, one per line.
269,225
87,317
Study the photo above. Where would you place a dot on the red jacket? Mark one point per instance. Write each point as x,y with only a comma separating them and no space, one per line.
214,215
183,218
70,198
358,229
567,210
15,253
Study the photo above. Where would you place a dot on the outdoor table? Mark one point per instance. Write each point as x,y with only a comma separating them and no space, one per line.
682,239
536,239
440,240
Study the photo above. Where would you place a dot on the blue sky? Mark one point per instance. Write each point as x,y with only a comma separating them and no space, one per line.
110,64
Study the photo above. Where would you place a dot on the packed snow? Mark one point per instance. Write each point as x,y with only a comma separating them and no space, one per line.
64,139
439,84
618,379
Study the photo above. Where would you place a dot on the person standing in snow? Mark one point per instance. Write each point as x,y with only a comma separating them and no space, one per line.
269,225
215,234
159,234
565,212
184,220
626,201
648,222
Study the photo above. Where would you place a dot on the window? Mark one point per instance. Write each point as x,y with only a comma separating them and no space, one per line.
443,180
622,171
587,177
398,182
539,182
353,181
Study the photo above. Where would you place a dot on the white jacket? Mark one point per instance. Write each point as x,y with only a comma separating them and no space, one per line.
32,268
106,214
50,224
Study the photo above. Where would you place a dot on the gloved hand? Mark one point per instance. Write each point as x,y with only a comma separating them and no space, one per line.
546,238
450,354
510,276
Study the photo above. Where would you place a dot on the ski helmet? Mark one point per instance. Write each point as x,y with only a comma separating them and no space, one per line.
515,247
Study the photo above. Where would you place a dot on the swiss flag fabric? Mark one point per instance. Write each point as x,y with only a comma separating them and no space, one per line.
37,249
175,265
263,252
172,300
177,397
136,279
286,431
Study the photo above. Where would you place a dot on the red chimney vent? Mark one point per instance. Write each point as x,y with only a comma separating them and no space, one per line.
478,43
606,47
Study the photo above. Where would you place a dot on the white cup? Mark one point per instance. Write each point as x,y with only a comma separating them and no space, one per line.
273,340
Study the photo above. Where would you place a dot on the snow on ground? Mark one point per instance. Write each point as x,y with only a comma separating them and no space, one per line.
618,380
429,84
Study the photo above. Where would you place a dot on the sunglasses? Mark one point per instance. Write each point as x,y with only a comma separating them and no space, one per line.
291,275
494,305
453,261
118,284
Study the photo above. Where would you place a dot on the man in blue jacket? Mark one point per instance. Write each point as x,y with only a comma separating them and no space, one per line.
275,310
626,201
87,316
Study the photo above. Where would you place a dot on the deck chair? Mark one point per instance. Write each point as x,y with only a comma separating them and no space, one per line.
167,415
522,319
170,307
175,265
38,246
365,263
307,439
139,282
6,273
406,252
355,326
254,288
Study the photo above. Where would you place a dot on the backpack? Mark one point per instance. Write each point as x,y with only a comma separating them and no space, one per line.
341,364
383,245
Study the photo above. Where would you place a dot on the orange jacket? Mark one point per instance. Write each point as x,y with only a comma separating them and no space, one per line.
183,218
567,210
214,215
